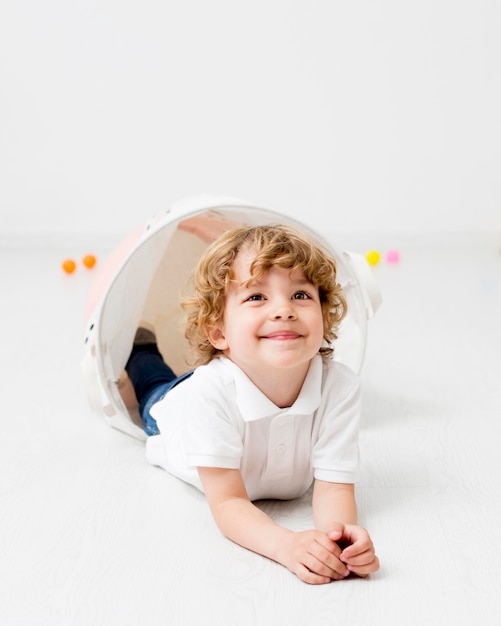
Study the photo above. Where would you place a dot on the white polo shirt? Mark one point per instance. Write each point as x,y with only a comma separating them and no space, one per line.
219,418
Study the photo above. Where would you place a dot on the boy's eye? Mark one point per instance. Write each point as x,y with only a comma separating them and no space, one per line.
300,295
255,297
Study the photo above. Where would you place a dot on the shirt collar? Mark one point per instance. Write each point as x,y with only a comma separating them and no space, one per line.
254,405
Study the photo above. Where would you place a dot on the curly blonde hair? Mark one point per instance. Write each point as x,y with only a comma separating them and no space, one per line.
275,245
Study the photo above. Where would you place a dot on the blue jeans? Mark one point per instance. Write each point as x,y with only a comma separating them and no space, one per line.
151,378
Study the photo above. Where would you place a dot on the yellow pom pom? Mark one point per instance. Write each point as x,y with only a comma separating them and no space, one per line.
373,257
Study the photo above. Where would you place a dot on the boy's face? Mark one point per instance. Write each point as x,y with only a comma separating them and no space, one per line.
274,323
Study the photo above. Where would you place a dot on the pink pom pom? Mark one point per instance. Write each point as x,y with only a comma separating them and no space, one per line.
393,256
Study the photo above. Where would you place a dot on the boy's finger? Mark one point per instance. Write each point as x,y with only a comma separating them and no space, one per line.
360,559
365,570
329,562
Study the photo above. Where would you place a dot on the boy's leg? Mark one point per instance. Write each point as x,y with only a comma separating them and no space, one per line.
149,374
146,370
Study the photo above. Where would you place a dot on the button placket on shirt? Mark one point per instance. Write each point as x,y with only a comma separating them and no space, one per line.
281,446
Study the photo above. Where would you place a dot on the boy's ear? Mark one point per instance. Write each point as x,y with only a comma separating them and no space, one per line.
216,336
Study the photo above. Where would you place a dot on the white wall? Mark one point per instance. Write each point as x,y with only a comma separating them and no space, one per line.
384,113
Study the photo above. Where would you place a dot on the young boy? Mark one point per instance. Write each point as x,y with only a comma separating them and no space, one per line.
266,412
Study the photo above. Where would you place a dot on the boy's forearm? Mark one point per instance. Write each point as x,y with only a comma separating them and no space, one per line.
333,502
245,524
238,518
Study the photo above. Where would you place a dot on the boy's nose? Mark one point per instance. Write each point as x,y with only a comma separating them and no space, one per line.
285,311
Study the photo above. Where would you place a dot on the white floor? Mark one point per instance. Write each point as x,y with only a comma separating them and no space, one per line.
91,534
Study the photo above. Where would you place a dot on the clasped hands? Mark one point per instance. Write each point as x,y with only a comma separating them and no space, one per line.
318,557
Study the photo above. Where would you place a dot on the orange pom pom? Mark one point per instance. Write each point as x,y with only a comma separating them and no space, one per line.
69,266
89,261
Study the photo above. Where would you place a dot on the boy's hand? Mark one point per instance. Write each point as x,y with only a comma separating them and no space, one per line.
358,550
314,557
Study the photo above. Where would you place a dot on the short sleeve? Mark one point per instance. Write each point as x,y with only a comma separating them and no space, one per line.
210,432
211,439
335,454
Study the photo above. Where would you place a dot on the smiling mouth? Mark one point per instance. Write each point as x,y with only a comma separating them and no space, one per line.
282,335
